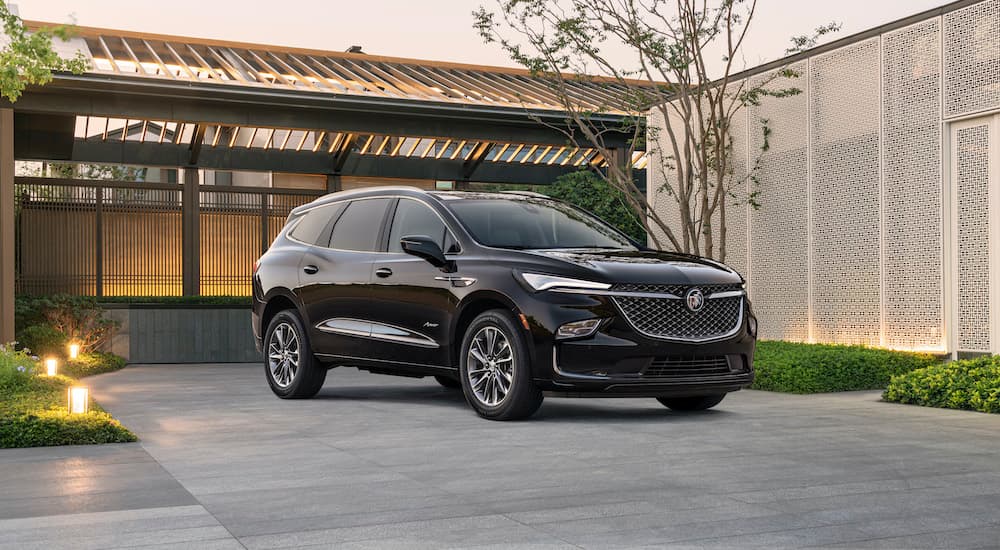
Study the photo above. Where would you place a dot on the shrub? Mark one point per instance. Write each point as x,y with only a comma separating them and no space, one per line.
971,384
815,368
89,364
46,323
16,368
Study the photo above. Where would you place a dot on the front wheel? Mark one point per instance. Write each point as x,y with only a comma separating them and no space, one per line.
698,403
495,368
292,370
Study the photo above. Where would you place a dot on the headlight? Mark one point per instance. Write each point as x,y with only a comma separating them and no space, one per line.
545,282
578,329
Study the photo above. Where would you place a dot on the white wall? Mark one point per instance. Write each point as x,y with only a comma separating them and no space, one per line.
855,237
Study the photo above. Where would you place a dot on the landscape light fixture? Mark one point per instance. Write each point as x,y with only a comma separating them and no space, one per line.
51,366
78,400
74,351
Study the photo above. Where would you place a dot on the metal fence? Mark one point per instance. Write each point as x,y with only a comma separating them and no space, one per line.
105,238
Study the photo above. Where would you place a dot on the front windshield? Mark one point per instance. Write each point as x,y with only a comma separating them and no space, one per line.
535,224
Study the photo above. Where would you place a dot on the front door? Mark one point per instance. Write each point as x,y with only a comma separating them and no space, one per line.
413,301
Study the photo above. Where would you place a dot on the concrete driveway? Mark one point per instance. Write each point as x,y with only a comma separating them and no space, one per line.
385,462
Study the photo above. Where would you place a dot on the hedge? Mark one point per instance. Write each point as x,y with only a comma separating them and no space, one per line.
815,368
970,384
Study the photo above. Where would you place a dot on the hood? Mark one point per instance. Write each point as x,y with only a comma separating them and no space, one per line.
646,266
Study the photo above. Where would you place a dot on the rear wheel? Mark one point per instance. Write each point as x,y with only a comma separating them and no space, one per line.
697,403
448,382
495,370
292,370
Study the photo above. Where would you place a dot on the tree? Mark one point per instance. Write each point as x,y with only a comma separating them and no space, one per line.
672,45
590,192
28,58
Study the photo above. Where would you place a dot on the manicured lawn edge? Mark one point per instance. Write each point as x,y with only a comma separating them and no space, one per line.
33,410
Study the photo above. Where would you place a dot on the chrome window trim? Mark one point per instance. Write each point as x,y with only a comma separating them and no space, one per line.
376,331
730,334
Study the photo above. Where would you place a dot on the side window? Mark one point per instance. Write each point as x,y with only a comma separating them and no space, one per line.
358,226
311,228
415,218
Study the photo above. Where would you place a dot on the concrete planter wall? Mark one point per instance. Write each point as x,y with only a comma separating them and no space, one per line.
152,333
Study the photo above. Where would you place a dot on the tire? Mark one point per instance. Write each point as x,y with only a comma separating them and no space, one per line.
697,403
285,344
484,387
448,382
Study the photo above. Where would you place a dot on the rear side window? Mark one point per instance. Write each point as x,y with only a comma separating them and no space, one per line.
358,227
311,228
415,218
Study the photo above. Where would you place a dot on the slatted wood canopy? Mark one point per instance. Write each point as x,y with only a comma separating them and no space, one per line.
238,106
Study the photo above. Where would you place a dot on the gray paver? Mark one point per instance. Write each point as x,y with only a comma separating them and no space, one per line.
383,462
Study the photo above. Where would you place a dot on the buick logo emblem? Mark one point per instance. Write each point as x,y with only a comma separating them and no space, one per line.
695,299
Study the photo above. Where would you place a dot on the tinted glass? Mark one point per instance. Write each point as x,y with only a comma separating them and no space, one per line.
415,218
534,224
358,227
310,227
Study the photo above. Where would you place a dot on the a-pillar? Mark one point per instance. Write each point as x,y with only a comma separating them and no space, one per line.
6,226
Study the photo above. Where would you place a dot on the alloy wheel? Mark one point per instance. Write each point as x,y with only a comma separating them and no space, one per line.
490,366
283,355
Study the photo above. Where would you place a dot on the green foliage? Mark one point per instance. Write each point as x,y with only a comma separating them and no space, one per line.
592,193
815,368
89,364
33,409
41,320
28,58
971,384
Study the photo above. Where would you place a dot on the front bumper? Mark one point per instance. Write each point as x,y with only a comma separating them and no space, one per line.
617,360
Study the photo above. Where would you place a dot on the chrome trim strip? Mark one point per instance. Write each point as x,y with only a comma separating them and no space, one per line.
560,372
375,331
460,282
727,294
627,294
730,334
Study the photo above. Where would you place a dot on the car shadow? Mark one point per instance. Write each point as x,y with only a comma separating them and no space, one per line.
554,409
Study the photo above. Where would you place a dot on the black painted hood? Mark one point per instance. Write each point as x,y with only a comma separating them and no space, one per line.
646,266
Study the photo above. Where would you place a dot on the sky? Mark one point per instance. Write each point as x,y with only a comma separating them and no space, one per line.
423,29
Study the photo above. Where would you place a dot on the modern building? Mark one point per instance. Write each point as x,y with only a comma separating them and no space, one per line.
207,145
879,218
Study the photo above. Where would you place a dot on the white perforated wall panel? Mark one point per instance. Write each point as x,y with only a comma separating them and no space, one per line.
845,112
657,175
972,181
972,58
911,167
779,228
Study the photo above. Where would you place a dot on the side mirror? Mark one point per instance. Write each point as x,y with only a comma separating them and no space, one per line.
424,247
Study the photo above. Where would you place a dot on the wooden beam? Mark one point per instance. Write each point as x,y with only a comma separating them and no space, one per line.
7,271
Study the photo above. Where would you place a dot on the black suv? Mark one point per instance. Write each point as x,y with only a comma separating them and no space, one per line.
505,295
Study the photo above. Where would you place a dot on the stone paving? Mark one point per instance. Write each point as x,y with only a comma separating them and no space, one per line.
386,462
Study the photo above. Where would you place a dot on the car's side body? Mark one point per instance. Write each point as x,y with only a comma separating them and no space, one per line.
391,312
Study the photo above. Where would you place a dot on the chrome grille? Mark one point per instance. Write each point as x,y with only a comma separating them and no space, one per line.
666,367
670,318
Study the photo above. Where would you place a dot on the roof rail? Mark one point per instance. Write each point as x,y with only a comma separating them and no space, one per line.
526,194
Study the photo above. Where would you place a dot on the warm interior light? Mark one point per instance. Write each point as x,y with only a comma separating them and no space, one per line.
74,351
51,366
79,400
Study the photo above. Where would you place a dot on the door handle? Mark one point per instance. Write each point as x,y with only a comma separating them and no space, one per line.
311,269
383,272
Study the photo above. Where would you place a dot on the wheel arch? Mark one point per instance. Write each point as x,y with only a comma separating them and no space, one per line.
278,301
473,305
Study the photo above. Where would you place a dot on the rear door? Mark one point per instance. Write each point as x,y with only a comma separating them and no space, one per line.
335,277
